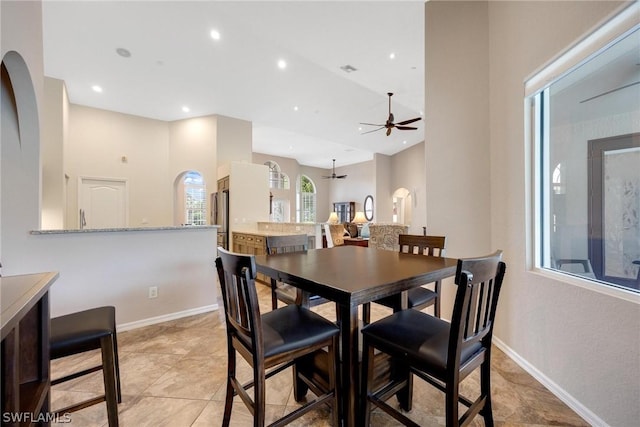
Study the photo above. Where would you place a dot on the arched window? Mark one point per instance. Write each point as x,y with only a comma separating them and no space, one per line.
306,200
194,199
277,178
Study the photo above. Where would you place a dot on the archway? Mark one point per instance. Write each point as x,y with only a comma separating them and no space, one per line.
20,162
402,206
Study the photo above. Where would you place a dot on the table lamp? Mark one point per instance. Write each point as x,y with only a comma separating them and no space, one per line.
333,218
359,220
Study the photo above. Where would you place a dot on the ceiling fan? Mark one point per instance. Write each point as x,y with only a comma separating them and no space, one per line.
333,175
390,125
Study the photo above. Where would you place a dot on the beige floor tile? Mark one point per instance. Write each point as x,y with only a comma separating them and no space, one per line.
174,374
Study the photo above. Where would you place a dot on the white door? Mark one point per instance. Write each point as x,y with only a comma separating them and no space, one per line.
103,203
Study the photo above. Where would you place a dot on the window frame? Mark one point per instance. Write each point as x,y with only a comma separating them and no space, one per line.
621,23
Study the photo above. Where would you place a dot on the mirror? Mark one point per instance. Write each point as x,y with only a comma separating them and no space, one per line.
368,208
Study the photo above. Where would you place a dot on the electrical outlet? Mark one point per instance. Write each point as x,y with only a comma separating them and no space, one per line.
153,292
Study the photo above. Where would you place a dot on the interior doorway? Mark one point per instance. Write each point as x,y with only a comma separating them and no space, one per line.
402,206
102,203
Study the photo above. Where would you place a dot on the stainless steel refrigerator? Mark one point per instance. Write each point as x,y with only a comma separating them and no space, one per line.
221,216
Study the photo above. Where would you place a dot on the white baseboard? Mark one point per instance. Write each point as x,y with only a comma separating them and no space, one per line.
554,388
166,317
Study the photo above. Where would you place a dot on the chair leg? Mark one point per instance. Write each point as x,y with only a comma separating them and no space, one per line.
117,363
300,388
109,377
485,390
231,373
274,295
259,394
334,363
436,305
366,313
366,382
405,396
451,402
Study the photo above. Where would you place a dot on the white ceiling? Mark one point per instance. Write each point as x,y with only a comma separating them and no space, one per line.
174,62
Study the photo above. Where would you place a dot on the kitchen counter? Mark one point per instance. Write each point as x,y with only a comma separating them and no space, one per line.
116,230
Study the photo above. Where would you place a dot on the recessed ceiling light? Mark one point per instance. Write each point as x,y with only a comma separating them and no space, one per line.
295,108
392,55
291,147
96,88
123,52
186,109
215,34
404,142
282,64
359,128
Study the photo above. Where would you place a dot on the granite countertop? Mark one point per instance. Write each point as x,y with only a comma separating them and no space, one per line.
266,233
111,230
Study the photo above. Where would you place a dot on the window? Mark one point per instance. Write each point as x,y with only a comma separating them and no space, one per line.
586,128
277,179
306,200
194,199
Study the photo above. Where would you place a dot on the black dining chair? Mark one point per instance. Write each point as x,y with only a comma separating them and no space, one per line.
439,352
282,291
272,341
419,297
83,331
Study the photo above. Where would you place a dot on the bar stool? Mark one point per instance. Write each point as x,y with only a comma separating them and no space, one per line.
84,331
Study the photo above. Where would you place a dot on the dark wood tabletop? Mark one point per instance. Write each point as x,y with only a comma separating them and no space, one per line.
351,276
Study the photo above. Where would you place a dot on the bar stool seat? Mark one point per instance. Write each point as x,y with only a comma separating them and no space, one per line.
84,331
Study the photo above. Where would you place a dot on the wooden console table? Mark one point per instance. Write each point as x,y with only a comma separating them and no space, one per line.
25,372
356,241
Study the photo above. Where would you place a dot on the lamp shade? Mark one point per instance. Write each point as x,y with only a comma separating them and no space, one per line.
333,218
359,218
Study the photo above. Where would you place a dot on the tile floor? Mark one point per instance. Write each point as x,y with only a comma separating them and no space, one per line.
173,374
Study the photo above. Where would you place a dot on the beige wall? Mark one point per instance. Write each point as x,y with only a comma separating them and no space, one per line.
98,139
95,268
360,183
54,132
582,344
234,138
408,171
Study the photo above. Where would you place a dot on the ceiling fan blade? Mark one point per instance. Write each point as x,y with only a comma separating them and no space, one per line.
389,131
406,122
406,128
341,176
375,130
372,124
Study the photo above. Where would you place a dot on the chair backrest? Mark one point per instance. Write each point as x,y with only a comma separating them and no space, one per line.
285,244
423,245
237,274
334,234
479,281
385,236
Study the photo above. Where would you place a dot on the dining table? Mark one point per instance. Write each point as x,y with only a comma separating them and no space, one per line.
351,276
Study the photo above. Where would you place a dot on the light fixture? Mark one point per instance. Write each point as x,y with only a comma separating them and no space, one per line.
282,64
392,55
295,108
186,109
96,88
333,218
359,218
215,34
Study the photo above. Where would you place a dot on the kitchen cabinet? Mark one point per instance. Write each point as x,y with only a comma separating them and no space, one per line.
255,243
